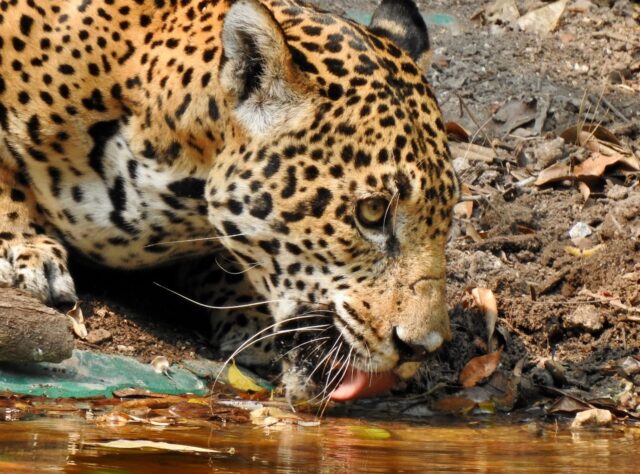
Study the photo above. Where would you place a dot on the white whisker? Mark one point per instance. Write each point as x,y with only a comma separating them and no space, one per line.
236,273
318,339
386,212
198,239
240,306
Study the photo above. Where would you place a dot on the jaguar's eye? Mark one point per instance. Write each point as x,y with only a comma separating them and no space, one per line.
371,212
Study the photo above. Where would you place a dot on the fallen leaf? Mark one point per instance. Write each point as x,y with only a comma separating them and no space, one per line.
369,432
240,381
267,416
585,190
567,405
479,368
456,131
154,445
472,152
486,301
463,210
575,134
576,252
136,393
454,405
77,321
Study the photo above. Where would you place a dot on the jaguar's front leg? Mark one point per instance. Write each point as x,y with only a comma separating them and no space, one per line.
29,258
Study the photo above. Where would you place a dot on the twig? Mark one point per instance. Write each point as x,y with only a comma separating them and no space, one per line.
611,107
616,303
480,127
617,37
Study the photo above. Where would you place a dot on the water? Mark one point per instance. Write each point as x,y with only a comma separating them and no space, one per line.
337,445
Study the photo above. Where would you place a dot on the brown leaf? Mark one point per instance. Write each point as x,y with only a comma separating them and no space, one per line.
486,301
567,405
454,405
472,152
573,134
463,210
456,132
479,368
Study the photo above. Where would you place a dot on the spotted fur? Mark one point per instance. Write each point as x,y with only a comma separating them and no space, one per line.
253,127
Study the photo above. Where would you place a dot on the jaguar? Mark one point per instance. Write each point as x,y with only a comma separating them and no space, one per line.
298,156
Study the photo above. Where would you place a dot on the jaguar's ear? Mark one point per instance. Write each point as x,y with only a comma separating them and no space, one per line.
401,22
258,70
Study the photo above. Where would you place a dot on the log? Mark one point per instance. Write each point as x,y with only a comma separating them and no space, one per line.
31,331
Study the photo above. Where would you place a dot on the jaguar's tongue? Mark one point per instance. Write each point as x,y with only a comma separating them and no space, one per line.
358,384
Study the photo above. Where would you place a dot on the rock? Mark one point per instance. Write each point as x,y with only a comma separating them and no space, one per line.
593,417
617,192
503,11
543,20
549,152
579,231
585,317
98,336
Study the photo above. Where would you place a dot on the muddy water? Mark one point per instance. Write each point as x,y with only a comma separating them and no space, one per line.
338,445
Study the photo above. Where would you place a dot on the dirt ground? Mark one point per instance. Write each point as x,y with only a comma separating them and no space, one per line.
569,305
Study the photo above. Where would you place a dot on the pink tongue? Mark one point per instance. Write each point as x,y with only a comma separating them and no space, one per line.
358,384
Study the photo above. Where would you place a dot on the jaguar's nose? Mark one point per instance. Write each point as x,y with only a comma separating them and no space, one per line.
409,351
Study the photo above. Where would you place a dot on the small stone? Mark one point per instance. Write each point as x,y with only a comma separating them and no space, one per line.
579,231
123,348
585,317
549,152
98,336
618,193
593,417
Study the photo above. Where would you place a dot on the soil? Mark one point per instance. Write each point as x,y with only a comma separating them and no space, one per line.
568,308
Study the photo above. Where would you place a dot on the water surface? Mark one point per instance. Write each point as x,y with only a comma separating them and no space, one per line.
337,445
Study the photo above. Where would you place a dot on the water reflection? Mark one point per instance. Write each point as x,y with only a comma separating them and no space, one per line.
338,445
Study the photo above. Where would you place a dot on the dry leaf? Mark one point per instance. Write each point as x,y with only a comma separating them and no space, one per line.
454,405
567,405
479,368
77,321
456,131
369,432
576,252
486,301
574,134
585,190
463,210
240,381
146,444
267,416
472,152
476,236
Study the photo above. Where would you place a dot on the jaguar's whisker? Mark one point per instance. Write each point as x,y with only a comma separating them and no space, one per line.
240,306
318,339
197,239
250,267
386,212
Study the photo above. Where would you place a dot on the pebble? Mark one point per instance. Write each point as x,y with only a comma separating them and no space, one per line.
98,336
586,317
593,417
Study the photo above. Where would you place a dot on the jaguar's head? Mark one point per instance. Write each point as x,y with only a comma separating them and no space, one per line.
336,192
